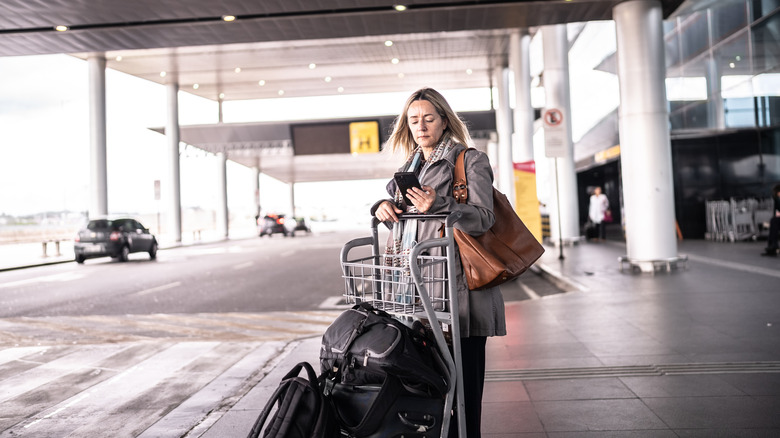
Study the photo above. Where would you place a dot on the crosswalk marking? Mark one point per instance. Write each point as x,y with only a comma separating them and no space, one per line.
181,374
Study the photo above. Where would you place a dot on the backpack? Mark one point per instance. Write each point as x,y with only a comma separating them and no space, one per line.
301,410
363,345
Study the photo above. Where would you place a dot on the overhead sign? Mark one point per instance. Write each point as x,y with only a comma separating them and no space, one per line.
554,133
364,137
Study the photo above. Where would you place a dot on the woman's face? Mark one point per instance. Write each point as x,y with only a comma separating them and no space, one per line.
425,123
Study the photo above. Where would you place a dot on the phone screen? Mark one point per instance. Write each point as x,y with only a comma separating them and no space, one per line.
405,181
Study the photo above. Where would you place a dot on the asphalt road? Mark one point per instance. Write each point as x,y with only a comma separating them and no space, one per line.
163,347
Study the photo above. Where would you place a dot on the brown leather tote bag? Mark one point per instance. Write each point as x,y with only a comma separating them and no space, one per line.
504,251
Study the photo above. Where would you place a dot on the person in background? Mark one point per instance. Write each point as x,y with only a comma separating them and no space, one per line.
774,224
599,204
431,135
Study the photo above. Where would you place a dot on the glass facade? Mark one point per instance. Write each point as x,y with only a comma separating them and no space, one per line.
723,66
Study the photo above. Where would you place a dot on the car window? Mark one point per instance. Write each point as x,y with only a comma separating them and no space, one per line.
98,224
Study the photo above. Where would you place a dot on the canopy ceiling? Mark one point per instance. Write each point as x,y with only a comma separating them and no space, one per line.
301,48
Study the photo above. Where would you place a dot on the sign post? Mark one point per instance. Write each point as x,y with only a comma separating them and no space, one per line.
555,147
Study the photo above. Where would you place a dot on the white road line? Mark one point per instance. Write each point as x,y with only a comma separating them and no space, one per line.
159,288
737,266
65,276
528,291
334,303
243,265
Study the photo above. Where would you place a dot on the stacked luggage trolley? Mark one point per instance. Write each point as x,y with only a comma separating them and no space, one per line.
419,284
735,220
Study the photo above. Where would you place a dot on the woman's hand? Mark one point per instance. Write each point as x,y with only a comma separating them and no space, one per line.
422,198
387,211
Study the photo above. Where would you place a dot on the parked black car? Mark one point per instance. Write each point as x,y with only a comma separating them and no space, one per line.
117,238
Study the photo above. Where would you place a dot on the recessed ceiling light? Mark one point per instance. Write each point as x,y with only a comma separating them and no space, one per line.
221,95
261,82
399,8
163,74
195,86
401,75
328,78
312,66
732,65
61,28
388,43
118,58
341,89
228,18
469,71
237,70
281,92
394,61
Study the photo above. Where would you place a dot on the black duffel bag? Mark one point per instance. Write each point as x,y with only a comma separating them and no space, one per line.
364,345
385,411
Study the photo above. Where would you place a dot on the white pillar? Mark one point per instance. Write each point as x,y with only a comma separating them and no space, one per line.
292,199
256,187
174,179
716,113
98,183
520,63
222,206
564,224
506,175
645,148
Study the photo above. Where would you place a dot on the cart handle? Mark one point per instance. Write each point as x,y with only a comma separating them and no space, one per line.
449,218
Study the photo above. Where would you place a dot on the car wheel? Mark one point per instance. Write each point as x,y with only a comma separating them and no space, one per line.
80,259
124,253
153,251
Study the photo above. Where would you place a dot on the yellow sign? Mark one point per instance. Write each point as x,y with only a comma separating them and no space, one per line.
526,201
364,137
606,154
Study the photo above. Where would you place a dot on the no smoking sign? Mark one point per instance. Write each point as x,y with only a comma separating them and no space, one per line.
554,133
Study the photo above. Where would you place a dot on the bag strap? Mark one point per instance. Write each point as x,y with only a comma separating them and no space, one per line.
377,412
279,426
460,186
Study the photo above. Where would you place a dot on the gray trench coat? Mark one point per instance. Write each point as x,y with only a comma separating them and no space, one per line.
481,312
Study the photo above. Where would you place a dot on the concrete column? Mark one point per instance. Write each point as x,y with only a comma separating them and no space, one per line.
506,176
645,148
222,206
716,112
256,188
174,179
564,224
520,63
98,183
292,199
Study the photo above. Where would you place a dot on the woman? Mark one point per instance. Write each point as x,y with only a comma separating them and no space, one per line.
431,135
599,204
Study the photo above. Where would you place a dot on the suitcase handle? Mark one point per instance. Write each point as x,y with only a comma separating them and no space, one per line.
418,427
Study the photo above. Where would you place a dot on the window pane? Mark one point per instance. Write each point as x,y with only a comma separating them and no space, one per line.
764,7
694,35
766,45
727,18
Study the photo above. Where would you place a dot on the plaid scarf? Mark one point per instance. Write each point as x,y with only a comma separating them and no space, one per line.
405,232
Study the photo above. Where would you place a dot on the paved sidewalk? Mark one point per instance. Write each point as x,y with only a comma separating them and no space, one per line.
693,352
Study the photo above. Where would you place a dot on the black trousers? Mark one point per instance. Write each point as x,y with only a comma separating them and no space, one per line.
472,351
774,226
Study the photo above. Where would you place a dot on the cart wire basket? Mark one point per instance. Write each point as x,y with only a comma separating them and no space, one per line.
413,285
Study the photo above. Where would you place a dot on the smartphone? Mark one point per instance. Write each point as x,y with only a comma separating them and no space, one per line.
405,181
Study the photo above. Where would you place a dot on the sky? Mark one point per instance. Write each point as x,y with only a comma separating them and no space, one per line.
45,142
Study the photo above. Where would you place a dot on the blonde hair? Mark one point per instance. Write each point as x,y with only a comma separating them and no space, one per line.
402,137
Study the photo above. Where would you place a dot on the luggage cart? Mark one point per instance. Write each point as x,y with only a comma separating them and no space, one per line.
420,285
